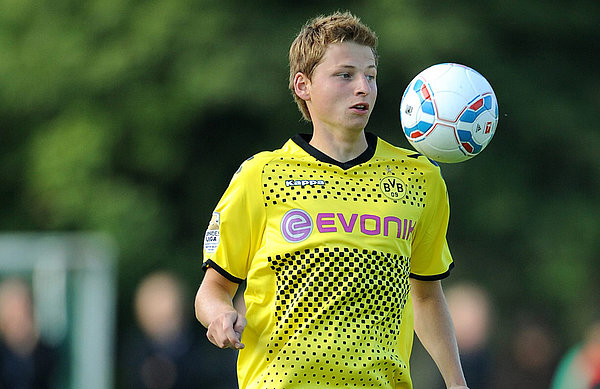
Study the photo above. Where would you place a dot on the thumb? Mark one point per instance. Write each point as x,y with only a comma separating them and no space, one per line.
239,325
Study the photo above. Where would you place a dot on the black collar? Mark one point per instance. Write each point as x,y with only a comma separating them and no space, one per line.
303,139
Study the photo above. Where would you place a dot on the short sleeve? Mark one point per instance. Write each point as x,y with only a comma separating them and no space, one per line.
237,224
430,256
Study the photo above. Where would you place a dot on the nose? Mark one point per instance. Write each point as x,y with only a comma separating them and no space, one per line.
363,86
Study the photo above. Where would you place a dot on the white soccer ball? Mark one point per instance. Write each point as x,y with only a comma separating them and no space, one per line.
449,112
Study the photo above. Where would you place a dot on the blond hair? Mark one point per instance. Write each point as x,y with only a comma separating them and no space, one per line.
309,47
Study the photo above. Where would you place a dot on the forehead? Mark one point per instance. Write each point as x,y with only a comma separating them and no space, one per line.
349,53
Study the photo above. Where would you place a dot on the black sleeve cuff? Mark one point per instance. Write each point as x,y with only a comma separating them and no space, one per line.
221,271
434,277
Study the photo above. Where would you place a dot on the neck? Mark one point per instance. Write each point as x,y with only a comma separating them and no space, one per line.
342,147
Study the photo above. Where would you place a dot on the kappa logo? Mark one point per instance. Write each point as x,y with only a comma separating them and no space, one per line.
304,183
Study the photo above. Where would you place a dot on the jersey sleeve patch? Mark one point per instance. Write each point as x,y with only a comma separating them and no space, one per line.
212,237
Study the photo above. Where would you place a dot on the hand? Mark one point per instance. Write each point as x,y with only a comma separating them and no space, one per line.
226,330
458,387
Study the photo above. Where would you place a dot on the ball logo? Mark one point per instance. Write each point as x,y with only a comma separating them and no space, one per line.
296,225
488,127
393,187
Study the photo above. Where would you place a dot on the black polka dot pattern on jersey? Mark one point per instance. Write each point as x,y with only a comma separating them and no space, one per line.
357,185
338,310
338,313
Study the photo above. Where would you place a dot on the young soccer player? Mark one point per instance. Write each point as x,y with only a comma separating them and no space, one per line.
339,236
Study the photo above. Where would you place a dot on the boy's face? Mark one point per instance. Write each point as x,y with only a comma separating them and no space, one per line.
342,92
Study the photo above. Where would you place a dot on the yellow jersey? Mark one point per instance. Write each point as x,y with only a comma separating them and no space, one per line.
326,250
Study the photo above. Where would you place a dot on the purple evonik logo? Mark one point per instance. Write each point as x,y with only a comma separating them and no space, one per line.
296,225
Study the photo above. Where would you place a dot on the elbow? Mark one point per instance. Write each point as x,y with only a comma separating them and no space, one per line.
198,307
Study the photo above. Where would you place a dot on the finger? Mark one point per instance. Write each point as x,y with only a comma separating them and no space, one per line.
234,339
212,339
240,324
238,345
238,327
219,336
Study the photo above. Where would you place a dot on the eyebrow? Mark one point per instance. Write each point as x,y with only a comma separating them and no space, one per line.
355,67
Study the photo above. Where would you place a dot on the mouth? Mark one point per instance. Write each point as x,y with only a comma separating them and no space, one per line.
361,107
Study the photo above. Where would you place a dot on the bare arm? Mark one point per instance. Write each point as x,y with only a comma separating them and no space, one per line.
435,330
214,309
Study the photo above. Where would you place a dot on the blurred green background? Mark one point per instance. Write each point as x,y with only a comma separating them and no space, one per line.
130,117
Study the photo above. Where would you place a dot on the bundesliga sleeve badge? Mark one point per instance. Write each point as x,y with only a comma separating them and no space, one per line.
212,236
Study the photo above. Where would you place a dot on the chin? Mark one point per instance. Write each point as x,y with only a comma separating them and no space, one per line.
357,125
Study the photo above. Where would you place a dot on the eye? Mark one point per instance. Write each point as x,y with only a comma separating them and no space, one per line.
345,75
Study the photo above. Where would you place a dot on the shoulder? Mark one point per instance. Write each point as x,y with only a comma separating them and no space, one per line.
258,161
255,163
410,158
416,167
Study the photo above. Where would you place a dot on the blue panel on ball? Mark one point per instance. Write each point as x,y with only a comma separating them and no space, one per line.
469,116
424,126
427,107
487,100
417,85
409,130
464,136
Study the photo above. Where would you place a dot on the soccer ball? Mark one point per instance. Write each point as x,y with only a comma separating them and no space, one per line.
449,112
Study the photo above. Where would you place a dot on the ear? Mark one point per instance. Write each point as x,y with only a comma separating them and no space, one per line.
302,86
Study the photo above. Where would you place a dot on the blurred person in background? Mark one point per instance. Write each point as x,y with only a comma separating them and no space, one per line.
471,310
580,366
531,357
164,352
26,361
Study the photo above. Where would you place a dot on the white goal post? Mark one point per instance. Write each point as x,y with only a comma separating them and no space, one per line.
73,283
